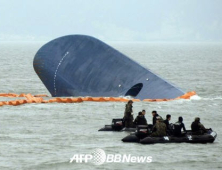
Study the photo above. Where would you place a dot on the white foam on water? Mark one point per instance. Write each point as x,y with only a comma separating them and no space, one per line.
213,98
126,97
195,97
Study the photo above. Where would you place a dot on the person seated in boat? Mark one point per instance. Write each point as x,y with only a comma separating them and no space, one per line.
159,129
155,115
168,118
128,114
140,119
178,126
144,112
198,128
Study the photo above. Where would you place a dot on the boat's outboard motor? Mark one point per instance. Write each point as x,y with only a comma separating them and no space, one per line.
117,124
142,131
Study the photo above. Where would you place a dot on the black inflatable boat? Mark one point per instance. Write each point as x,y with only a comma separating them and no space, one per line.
117,125
142,136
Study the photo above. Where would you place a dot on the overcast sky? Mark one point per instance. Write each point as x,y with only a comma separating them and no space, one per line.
112,20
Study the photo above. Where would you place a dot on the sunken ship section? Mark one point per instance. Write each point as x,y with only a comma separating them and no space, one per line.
80,65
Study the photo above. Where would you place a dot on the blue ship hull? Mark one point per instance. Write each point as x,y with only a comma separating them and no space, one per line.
79,65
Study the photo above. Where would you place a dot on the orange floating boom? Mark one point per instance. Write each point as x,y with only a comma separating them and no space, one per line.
37,99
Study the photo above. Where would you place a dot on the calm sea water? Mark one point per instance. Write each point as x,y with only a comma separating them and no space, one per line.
46,136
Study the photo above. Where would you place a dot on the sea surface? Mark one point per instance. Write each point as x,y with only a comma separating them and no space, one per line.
46,136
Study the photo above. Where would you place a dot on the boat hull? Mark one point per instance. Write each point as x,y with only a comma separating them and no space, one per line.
80,65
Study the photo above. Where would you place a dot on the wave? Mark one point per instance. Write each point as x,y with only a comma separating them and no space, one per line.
196,97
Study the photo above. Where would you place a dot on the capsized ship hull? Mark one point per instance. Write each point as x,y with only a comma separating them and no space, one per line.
80,65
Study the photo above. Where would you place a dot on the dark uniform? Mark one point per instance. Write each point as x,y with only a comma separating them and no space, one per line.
168,127
160,129
197,127
128,117
140,120
177,128
167,123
